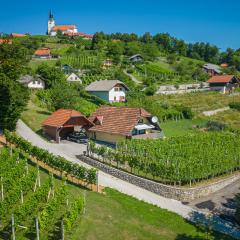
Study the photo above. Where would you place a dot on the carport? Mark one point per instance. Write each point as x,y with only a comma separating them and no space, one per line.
64,121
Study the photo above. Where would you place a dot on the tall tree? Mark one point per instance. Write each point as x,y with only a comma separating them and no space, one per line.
13,100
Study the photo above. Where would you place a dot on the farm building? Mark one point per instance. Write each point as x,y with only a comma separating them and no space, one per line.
108,90
212,69
64,121
113,124
32,81
224,83
42,53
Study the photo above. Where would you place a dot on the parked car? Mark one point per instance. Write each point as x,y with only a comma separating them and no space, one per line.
78,137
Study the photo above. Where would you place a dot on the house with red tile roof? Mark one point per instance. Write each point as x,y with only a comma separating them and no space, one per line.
64,121
113,124
5,41
43,53
15,35
223,83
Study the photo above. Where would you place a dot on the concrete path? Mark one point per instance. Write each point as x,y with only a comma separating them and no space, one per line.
134,79
214,112
70,150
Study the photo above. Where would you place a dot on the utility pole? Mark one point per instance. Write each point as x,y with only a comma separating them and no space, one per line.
13,228
62,227
37,229
2,194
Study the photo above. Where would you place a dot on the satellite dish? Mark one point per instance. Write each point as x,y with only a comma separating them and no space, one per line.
154,119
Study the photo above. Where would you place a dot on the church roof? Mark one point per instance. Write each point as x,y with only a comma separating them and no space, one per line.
63,27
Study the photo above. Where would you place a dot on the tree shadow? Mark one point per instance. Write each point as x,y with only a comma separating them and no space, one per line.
43,112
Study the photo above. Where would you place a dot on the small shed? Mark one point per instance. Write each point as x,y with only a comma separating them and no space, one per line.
35,82
63,122
73,77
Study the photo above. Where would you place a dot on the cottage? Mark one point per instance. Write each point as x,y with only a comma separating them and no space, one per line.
224,83
136,58
73,77
113,124
63,122
43,53
16,35
107,63
212,69
108,90
32,81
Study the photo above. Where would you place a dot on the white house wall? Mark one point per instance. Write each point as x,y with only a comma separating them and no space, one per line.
37,85
117,94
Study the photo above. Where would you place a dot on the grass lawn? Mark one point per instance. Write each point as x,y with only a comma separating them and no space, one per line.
231,118
114,215
34,64
199,102
181,127
33,116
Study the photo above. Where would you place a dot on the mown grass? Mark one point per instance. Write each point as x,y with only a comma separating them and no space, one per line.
181,127
34,64
230,118
199,102
34,115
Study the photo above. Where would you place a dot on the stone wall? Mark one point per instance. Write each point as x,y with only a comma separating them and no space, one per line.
182,194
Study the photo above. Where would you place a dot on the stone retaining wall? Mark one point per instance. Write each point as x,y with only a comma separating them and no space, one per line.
182,194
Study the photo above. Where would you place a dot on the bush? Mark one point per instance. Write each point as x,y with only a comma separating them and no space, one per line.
215,126
235,105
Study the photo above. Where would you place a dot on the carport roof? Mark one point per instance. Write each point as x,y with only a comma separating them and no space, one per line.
61,116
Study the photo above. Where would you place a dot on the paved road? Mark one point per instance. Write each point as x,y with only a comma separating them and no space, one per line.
70,150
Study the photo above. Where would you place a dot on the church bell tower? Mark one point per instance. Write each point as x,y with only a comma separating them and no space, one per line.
51,22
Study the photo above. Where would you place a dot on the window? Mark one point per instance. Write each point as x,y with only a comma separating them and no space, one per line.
140,121
76,78
115,98
116,89
38,82
120,89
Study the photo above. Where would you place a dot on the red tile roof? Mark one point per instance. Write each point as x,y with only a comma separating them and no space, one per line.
117,120
43,52
61,116
18,35
221,79
5,41
64,27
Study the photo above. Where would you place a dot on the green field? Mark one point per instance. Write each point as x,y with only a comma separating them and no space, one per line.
34,64
199,102
181,127
34,115
108,216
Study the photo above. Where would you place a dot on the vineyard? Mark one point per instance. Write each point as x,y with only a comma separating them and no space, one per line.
178,160
79,61
33,204
88,176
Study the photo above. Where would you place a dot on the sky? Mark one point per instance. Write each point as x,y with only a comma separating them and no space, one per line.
213,21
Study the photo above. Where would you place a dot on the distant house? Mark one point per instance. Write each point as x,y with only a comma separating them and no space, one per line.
136,58
62,122
107,63
73,77
113,124
15,35
224,83
32,82
85,36
224,65
108,90
5,41
212,69
43,53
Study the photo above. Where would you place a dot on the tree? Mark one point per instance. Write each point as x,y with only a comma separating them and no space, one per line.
146,38
13,100
13,60
114,51
132,48
51,75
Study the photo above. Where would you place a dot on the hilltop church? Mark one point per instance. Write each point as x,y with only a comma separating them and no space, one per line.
64,29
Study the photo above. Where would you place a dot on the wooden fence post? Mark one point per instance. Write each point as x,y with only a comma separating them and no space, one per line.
13,228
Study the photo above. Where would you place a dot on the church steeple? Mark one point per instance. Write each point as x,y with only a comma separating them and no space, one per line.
51,22
50,15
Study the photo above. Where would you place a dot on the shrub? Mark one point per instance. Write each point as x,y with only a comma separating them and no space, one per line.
235,105
215,126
